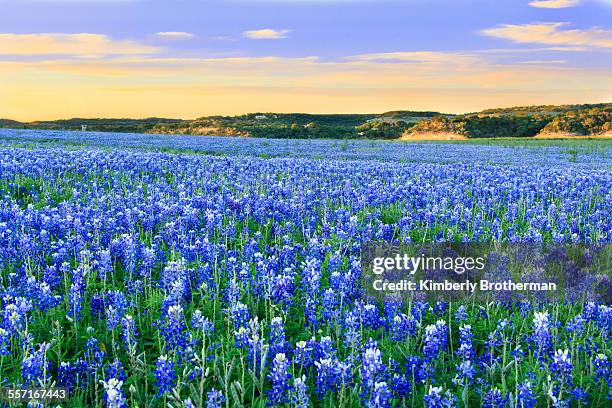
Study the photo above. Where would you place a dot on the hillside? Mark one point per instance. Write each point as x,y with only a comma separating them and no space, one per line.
566,120
95,125
272,125
545,109
522,121
584,122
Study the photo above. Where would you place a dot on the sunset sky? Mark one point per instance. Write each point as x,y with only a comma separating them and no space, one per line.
188,58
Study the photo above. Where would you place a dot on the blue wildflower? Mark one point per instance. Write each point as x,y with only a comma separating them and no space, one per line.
112,393
164,375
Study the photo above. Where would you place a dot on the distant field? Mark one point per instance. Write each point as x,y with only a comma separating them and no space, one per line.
592,142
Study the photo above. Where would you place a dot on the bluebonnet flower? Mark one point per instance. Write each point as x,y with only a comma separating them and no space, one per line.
381,396
327,376
576,325
116,370
436,338
417,369
494,399
214,399
77,373
112,393
104,264
437,398
466,348
525,308
465,372
371,317
526,396
303,354
352,330
461,313
299,394
35,367
241,337
562,364
173,328
130,253
604,317
42,294
311,312
256,344
401,384
311,274
280,379
175,280
117,300
402,326
440,308
579,395
240,315
603,369
128,334
148,261
96,306
330,304
93,352
4,342
418,310
164,375
542,335
282,288
112,318
201,323
77,291
15,312
324,348
371,366
591,311
278,343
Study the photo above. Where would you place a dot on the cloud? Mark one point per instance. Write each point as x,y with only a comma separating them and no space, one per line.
83,45
175,35
552,34
266,34
417,57
542,62
554,4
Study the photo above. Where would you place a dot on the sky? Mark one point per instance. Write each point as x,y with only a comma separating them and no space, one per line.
192,58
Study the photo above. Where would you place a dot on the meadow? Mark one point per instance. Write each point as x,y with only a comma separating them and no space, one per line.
154,271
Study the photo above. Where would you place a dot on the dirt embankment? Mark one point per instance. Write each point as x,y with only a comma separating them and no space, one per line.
433,136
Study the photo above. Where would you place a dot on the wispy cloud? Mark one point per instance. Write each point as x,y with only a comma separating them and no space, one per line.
554,4
543,62
552,34
82,45
266,34
417,57
175,35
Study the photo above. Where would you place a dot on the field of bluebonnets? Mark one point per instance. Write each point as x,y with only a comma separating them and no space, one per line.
147,270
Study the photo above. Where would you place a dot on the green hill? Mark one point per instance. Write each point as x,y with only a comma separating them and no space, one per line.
10,123
96,124
565,120
522,121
